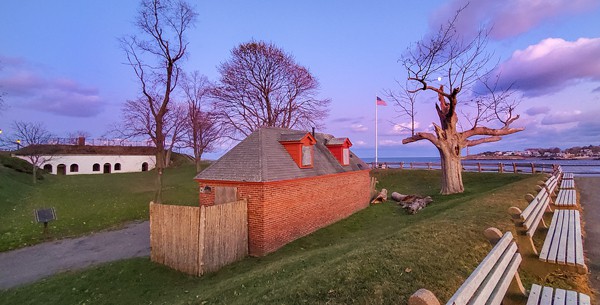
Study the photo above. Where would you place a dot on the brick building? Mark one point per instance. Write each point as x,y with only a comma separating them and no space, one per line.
295,183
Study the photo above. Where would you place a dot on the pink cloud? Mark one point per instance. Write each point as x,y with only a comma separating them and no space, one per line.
551,65
25,85
507,18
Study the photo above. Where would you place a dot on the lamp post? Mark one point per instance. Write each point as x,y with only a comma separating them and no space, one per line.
18,144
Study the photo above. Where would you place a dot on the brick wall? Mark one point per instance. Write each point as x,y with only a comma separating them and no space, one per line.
280,212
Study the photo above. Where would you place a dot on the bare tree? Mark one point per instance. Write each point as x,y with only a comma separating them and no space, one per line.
155,59
139,122
261,85
30,136
175,127
405,101
204,130
461,62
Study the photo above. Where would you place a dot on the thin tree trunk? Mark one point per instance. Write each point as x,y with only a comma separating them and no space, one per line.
168,158
34,172
160,161
198,158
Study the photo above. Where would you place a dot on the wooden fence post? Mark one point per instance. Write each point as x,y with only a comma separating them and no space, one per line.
532,168
501,167
479,167
514,167
411,165
401,165
428,165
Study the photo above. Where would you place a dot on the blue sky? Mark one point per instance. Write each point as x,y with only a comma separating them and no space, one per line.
60,62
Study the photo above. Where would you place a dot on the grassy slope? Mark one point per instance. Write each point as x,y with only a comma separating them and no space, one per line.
378,256
83,203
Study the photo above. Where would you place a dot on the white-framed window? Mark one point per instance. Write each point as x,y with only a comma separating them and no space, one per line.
346,156
306,155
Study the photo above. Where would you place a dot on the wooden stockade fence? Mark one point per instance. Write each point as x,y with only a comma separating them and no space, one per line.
197,240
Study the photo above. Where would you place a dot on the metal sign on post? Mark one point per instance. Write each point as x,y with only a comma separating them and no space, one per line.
45,216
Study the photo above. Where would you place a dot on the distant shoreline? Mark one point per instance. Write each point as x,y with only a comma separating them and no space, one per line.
481,157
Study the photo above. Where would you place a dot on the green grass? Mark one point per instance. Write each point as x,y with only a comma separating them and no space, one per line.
379,255
83,203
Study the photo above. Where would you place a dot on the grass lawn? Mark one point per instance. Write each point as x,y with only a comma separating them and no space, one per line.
83,203
379,255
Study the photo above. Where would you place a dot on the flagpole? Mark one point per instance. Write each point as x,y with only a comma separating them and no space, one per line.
376,139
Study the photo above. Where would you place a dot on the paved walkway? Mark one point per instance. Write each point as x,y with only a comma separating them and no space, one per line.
589,188
33,263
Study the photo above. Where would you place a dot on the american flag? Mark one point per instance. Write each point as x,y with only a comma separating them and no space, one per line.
381,102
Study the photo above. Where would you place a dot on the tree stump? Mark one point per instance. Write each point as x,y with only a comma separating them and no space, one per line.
381,197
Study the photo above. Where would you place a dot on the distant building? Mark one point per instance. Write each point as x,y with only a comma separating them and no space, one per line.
295,182
84,159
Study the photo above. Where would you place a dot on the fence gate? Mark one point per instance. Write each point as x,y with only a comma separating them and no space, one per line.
196,240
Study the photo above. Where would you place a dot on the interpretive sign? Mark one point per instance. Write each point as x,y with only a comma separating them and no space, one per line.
45,215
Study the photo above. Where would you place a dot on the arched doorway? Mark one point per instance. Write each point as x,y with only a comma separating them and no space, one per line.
107,168
144,167
61,169
48,168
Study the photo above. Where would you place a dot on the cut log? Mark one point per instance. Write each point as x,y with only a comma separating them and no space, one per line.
398,197
381,197
412,203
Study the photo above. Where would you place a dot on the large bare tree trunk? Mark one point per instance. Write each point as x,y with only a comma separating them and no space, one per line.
451,171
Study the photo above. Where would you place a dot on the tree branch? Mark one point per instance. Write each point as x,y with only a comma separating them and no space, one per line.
422,136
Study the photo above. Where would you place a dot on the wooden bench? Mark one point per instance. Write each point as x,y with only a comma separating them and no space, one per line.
567,184
496,281
562,246
566,198
563,175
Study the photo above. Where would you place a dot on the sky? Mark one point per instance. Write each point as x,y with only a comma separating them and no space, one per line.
61,64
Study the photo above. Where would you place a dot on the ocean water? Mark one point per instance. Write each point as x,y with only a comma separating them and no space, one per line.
579,167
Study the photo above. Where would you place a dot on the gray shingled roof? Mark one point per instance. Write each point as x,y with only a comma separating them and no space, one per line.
336,141
261,158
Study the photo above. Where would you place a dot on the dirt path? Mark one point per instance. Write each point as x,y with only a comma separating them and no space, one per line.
36,262
589,188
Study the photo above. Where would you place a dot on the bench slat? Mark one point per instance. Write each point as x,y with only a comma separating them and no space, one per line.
553,238
470,286
561,251
578,241
546,295
560,297
571,297
509,273
534,220
571,248
584,299
534,295
544,253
